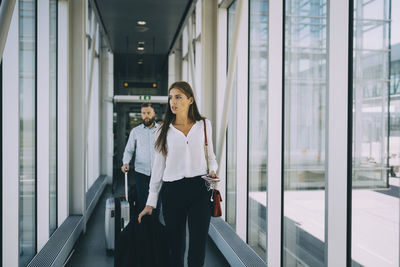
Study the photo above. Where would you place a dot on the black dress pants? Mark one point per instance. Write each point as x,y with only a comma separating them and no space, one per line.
186,200
142,188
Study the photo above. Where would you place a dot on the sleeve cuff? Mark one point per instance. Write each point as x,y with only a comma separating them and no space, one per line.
152,200
214,168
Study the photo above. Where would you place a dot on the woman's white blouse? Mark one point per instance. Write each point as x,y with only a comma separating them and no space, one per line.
186,158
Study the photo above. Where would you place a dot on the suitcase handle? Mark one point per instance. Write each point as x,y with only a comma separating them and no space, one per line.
126,186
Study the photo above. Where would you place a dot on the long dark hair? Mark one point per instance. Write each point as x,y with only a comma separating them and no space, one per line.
193,114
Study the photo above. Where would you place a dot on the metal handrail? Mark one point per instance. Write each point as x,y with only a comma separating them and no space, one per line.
6,11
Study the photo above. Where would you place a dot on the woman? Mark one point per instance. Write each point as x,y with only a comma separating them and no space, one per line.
178,166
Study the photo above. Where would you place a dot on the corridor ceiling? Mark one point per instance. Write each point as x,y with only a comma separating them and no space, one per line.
163,17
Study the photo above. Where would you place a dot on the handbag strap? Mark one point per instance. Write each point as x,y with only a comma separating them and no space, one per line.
206,146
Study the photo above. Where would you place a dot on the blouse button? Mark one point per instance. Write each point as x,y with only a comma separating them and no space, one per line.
187,142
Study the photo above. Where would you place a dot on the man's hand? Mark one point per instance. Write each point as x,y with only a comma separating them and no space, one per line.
125,168
148,210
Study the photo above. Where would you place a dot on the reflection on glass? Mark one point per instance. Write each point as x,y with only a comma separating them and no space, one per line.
375,195
53,116
304,133
258,114
231,150
27,134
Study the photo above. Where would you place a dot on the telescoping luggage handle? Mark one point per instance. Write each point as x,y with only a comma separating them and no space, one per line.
126,185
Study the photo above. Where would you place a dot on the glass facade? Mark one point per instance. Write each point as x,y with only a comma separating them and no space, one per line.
375,195
370,93
231,141
27,134
53,116
258,126
305,88
394,110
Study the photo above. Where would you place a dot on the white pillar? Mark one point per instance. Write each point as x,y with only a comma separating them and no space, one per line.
43,122
62,120
107,109
209,11
242,130
10,152
220,96
77,83
337,133
275,117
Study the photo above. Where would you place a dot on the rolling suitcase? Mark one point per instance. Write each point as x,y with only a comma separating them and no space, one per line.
116,217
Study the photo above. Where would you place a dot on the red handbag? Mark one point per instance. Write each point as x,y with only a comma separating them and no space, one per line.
216,210
216,205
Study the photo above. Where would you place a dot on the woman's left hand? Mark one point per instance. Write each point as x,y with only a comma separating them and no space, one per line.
213,175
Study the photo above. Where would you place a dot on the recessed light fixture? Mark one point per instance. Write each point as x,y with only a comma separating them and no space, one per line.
141,43
141,23
140,62
140,48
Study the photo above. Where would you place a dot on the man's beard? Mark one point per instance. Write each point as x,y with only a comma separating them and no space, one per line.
149,122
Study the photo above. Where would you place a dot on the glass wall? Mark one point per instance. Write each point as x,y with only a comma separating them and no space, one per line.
375,195
370,93
27,135
231,148
258,114
305,88
394,110
53,116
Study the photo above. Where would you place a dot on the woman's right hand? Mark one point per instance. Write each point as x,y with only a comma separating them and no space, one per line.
148,210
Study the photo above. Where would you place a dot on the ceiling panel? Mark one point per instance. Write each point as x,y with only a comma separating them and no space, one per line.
162,16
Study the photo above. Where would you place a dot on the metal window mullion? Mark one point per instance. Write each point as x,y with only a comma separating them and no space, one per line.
43,123
241,110
221,84
275,131
10,152
337,134
62,112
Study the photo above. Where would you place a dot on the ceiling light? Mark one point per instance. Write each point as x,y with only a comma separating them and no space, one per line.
141,22
141,43
140,48
140,62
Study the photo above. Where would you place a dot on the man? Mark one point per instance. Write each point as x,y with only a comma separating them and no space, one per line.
141,140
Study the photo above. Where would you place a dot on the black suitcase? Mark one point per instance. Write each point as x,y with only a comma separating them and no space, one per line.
142,245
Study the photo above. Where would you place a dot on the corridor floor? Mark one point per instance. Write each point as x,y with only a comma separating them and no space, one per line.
90,250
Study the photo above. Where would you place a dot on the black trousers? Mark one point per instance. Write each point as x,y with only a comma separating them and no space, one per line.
186,200
142,188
